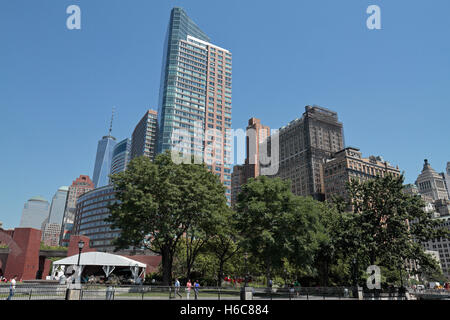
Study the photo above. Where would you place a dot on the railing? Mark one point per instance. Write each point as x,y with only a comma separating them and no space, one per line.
52,291
34,292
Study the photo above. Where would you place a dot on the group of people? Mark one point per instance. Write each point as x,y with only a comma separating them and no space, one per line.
189,285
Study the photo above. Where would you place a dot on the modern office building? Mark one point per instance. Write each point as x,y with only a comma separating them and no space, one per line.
121,156
143,140
103,158
51,227
78,187
58,205
431,183
103,161
304,144
91,212
34,213
195,101
348,164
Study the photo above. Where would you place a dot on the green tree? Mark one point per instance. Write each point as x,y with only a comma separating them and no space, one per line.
275,224
224,245
160,201
260,209
387,226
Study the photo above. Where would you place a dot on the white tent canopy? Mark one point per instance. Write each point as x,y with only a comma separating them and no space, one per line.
100,259
107,261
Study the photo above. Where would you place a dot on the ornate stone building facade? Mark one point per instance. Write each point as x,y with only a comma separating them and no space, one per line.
431,183
349,164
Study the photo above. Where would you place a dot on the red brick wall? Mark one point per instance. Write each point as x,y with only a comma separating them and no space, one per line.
24,262
73,245
152,262
46,270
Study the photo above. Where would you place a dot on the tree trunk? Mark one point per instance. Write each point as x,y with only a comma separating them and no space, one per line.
220,275
268,271
166,265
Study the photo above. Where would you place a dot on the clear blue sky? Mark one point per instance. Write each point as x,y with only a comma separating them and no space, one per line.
390,87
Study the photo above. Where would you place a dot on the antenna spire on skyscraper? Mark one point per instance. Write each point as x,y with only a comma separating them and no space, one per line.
112,118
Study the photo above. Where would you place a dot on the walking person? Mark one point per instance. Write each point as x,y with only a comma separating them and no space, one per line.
196,287
188,289
177,289
12,288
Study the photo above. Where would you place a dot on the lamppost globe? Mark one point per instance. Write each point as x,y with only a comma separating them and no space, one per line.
80,244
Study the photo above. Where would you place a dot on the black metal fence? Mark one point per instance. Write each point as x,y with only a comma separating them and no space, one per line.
52,291
34,292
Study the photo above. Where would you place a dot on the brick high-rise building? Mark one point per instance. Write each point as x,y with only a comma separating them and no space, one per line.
255,135
304,144
78,187
195,97
144,138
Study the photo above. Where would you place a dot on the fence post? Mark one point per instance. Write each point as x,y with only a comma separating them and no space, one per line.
307,296
219,292
31,292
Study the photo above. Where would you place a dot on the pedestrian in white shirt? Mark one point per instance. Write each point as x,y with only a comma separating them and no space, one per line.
12,287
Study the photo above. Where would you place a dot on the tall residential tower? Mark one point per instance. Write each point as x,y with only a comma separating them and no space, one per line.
143,140
194,109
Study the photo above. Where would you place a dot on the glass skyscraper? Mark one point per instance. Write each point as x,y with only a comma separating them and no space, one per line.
103,161
121,156
34,213
194,112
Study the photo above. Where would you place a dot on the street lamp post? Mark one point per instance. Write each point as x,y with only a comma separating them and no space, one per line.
355,278
80,248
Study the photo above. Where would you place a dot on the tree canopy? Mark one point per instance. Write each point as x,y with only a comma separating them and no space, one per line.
159,202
